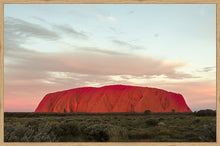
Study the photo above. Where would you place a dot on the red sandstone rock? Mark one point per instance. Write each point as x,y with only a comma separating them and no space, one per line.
114,98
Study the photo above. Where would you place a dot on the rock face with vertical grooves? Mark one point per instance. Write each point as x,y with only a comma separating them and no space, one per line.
113,98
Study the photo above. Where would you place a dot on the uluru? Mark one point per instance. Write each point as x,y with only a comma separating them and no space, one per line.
113,98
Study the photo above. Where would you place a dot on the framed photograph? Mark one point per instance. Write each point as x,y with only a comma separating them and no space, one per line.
109,72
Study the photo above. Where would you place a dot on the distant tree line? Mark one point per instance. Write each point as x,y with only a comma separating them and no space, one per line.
206,112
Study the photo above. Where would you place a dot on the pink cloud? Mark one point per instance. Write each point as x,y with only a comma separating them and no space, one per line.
28,78
97,63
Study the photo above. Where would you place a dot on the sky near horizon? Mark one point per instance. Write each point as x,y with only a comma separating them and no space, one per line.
54,47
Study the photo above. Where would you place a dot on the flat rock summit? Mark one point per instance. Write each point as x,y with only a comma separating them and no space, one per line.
113,98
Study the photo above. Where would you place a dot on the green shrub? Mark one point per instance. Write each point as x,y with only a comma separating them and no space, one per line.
24,133
163,138
44,133
105,132
161,119
147,112
138,134
151,122
66,131
164,131
196,121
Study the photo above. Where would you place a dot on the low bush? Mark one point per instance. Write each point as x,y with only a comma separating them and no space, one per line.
21,133
147,112
196,121
151,122
141,134
66,131
105,132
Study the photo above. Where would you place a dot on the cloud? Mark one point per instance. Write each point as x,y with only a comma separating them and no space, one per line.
107,17
102,51
39,19
102,63
208,69
67,29
130,12
17,32
17,29
125,44
101,13
115,31
156,35
111,18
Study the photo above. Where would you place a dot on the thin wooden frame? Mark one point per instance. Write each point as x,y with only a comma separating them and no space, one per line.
217,2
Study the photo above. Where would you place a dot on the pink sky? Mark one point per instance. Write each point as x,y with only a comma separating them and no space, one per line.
49,48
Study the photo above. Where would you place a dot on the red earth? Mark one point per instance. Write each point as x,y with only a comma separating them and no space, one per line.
113,98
